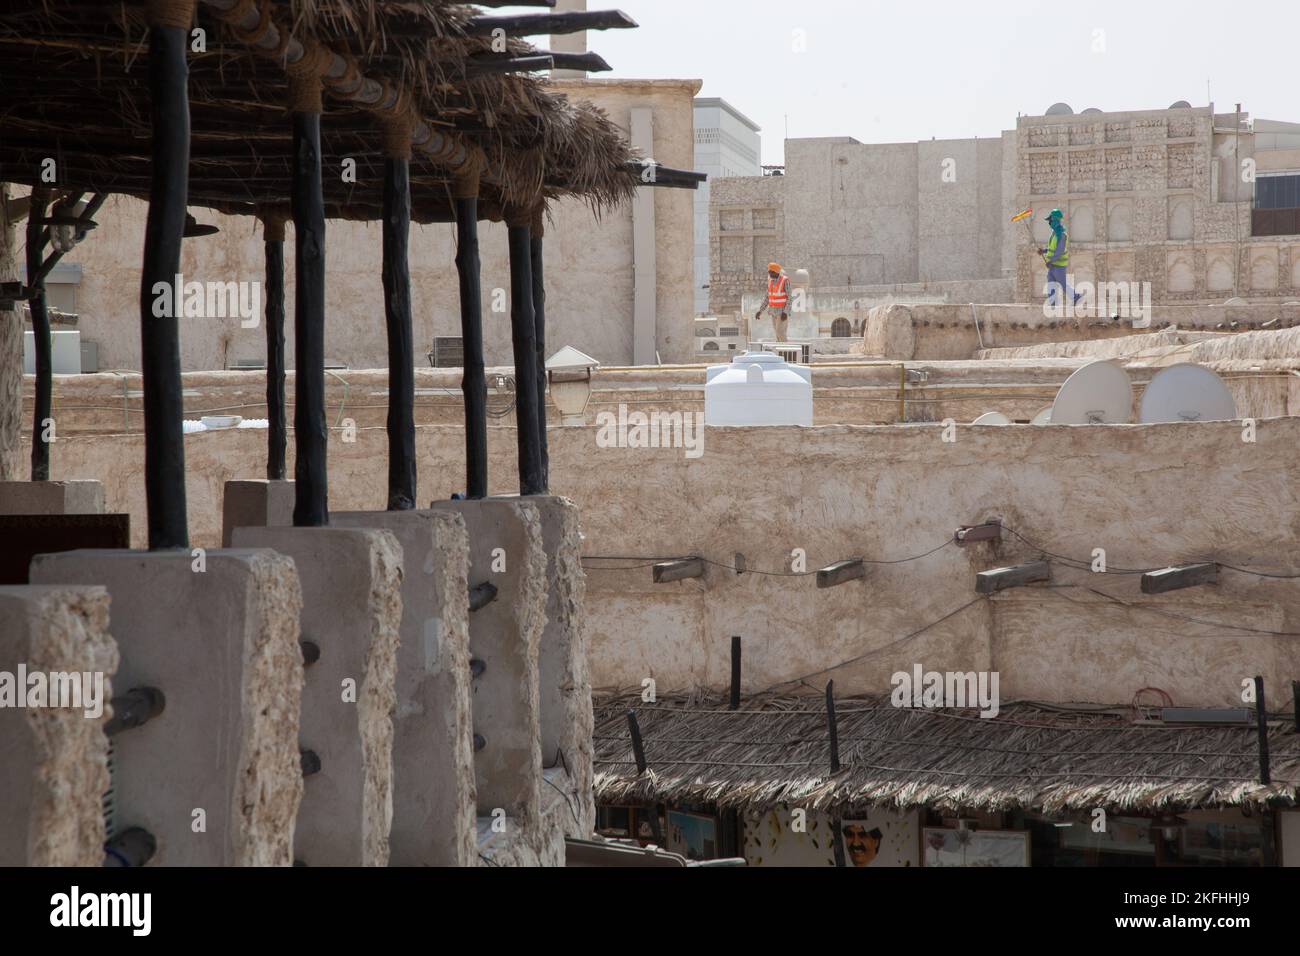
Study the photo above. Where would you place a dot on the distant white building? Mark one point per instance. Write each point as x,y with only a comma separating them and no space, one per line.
726,144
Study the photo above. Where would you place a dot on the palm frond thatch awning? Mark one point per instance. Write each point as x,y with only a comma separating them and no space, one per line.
776,752
75,81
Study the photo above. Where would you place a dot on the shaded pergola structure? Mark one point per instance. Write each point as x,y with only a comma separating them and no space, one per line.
256,107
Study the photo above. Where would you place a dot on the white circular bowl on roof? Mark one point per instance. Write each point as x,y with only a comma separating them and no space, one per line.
992,418
1044,417
1186,393
1100,393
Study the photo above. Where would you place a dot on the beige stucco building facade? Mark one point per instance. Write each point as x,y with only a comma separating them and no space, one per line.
1157,196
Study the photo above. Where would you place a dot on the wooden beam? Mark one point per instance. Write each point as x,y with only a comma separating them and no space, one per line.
160,361
668,571
311,508
999,579
841,572
523,338
40,316
588,62
401,348
970,534
535,24
489,65
656,174
1178,577
474,380
277,428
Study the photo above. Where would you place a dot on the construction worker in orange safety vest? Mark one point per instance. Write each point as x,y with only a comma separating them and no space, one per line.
778,299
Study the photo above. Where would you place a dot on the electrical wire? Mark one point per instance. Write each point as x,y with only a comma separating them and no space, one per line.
1087,565
1055,589
731,567
876,650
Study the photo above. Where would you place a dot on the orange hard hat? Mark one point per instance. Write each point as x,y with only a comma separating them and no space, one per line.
774,267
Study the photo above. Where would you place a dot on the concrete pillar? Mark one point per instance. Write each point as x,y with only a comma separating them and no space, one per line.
433,758
351,612
644,268
55,757
564,679
255,503
506,550
215,778
51,498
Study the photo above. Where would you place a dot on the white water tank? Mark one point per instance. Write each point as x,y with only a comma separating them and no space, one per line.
758,388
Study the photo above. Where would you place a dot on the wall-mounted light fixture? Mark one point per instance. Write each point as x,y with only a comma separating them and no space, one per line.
569,373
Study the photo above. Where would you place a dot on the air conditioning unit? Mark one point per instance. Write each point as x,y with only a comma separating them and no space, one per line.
793,354
448,352
65,352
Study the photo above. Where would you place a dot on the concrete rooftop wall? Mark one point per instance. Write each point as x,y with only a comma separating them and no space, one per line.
1150,495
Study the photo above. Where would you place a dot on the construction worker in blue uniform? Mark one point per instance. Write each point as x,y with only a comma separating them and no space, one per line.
1057,256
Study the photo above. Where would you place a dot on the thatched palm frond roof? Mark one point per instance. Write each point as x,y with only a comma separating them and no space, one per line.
74,81
777,752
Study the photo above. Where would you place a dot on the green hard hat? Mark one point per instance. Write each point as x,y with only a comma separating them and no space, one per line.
1054,214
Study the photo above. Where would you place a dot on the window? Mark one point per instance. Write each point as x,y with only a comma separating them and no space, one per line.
1277,192
840,329
1277,206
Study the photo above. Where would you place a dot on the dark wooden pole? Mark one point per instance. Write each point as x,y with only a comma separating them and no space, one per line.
40,314
1267,848
524,339
311,507
832,726
734,704
473,381
1261,726
638,748
277,430
397,314
160,365
539,325
1261,722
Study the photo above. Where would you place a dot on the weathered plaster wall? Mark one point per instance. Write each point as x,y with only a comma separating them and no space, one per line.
949,331
588,268
1149,495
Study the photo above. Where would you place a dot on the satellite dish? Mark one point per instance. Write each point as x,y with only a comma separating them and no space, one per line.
1090,109
1100,393
1044,417
992,418
1059,109
1180,105
1186,393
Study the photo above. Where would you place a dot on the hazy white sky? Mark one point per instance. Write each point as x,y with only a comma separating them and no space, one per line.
905,70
